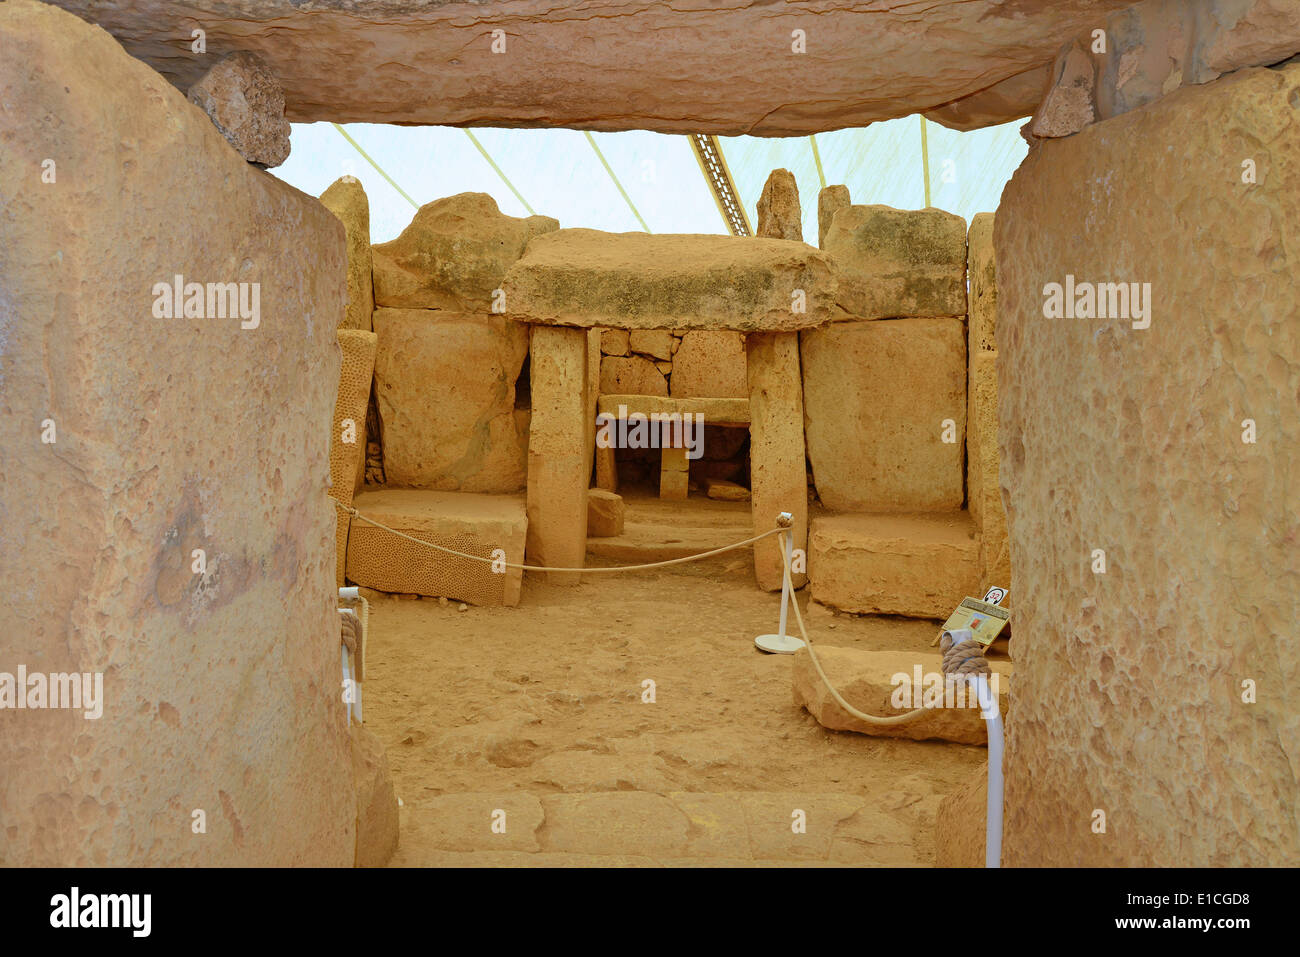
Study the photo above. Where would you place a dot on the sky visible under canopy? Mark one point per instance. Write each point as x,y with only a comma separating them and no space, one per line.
560,172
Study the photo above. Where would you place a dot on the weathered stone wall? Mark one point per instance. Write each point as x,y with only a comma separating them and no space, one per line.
681,363
170,434
983,492
885,401
1133,686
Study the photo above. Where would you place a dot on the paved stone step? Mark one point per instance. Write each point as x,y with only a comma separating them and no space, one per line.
522,828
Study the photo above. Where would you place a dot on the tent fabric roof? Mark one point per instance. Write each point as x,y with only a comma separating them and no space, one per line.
576,176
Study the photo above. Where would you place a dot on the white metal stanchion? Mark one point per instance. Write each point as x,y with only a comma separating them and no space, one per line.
781,643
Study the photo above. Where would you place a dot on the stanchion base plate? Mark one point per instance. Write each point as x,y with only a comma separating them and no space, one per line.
778,644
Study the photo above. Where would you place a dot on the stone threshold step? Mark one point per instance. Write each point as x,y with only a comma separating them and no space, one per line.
746,826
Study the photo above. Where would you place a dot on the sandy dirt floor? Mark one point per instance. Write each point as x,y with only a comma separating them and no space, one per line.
519,736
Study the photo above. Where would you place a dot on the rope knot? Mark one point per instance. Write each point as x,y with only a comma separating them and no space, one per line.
964,658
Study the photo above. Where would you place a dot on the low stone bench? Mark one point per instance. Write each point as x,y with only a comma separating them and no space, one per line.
465,521
916,565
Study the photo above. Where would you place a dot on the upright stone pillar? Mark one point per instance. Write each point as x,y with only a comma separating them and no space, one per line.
778,475
558,466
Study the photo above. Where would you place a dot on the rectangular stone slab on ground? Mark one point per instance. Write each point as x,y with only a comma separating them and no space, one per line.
863,679
464,521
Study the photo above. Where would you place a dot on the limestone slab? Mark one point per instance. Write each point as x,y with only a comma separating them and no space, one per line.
829,201
652,342
583,277
445,390
614,342
960,826
891,263
713,411
171,434
605,513
632,375
920,566
465,522
346,199
245,103
885,413
567,67
357,368
778,474
1131,441
710,364
453,255
558,471
779,215
377,816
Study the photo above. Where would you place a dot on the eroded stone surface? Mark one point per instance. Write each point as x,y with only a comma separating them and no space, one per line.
920,566
445,387
245,103
1155,47
829,201
453,255
1010,99
983,491
377,820
710,365
652,342
880,401
631,375
605,513
1130,440
220,689
614,342
779,215
567,67
778,476
358,366
960,826
466,522
558,469
584,277
897,262
347,200
1069,104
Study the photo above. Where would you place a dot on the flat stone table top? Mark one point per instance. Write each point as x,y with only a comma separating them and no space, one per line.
584,277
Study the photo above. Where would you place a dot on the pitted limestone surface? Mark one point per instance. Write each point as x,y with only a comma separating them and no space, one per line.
358,366
466,522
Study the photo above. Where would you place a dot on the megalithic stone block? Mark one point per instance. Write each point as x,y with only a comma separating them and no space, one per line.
558,467
778,475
